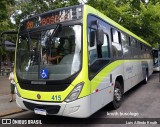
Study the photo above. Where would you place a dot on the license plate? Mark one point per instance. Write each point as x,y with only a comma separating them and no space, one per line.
40,111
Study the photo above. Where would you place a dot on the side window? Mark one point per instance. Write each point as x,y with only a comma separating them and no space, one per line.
125,45
133,42
142,48
105,47
116,45
145,51
90,30
139,49
134,47
115,36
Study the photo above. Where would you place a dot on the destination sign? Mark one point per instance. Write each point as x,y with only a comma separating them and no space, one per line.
53,17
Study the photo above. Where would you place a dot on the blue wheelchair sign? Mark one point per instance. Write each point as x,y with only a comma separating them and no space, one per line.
44,74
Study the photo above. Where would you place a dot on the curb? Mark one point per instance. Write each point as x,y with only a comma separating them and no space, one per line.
11,113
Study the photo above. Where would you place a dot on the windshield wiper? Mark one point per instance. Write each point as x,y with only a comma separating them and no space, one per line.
58,26
56,30
28,42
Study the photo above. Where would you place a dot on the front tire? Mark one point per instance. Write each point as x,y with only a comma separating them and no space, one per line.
117,96
145,81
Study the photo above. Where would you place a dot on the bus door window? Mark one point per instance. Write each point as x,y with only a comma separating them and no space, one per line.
125,45
98,54
98,51
92,50
105,47
134,47
102,50
116,44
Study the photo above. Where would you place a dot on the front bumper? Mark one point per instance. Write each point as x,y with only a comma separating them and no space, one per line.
79,108
156,69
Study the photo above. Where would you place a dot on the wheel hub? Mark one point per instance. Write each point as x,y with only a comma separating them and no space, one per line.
117,94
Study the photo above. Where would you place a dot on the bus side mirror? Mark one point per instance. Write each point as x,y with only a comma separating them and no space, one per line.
92,38
100,37
6,33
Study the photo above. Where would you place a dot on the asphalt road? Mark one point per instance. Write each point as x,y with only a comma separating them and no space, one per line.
140,104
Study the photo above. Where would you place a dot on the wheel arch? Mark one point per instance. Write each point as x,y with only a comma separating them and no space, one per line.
121,81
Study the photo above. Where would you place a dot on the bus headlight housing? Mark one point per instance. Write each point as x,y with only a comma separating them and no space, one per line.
75,93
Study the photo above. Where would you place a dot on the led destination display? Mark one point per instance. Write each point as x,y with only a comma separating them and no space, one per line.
53,17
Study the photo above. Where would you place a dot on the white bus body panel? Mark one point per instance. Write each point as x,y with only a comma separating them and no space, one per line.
132,73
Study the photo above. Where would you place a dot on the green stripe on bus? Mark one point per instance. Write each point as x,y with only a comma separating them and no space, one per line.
100,76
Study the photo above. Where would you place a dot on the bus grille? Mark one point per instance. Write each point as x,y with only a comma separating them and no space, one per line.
44,88
51,109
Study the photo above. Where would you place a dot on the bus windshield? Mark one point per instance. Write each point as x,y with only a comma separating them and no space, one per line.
53,54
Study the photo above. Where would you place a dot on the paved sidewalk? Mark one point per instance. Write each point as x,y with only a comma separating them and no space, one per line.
6,107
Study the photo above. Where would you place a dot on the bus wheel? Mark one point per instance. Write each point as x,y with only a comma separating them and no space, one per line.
117,98
146,78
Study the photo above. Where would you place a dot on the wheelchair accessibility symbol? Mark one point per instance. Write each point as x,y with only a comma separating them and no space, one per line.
44,74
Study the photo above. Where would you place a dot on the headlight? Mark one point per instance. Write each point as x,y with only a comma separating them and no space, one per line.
75,93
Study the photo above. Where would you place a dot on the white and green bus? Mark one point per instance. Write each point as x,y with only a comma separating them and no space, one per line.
90,61
156,59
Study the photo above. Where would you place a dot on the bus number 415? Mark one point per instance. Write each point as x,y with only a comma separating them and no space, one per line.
56,97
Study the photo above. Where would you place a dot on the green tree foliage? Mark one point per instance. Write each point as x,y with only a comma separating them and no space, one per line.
3,20
3,16
5,23
3,10
139,16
